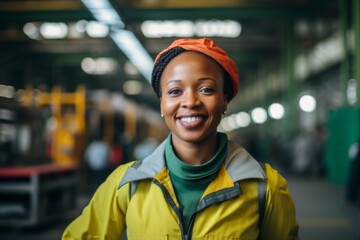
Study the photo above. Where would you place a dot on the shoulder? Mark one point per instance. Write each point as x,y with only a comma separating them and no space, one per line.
276,183
241,165
116,176
109,190
280,215
274,178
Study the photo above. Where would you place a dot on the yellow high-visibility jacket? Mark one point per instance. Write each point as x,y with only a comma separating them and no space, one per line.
141,200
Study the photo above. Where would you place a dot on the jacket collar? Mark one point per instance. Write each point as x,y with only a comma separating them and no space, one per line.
239,164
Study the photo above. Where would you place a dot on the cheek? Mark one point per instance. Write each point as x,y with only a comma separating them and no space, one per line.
168,106
216,106
218,112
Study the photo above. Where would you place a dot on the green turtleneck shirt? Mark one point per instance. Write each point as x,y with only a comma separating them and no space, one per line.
191,181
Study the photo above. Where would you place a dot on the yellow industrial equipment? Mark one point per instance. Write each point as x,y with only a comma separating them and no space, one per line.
68,113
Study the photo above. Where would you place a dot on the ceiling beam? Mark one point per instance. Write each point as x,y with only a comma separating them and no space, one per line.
44,16
272,13
49,5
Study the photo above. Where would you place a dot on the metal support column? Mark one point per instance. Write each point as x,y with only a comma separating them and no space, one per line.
345,64
292,85
356,29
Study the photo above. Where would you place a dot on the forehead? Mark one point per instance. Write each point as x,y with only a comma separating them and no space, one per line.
195,61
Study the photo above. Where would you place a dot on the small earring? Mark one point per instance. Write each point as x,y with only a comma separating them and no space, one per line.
224,113
162,115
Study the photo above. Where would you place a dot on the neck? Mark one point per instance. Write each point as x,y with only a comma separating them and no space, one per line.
203,150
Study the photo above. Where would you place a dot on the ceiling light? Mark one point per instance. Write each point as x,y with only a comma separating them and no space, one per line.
231,120
186,28
81,26
52,30
73,31
132,87
158,29
259,115
276,111
98,66
96,4
216,28
133,49
243,119
31,30
97,30
88,65
105,65
225,125
351,91
103,12
307,103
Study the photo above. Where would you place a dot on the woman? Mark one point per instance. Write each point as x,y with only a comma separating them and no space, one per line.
196,184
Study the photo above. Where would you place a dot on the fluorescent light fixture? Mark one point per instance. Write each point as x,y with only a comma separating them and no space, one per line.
97,30
81,26
51,30
96,4
107,16
103,12
133,49
216,28
186,28
100,66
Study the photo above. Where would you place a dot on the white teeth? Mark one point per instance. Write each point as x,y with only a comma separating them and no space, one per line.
190,119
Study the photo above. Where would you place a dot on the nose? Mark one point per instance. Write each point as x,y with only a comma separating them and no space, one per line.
191,100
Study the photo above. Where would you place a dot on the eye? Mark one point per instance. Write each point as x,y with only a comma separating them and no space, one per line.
207,90
174,92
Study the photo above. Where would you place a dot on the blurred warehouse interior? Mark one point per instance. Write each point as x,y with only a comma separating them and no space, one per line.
72,70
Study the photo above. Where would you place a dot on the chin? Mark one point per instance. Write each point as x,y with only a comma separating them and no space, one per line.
195,137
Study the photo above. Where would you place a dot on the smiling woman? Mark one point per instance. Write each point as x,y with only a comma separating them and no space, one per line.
197,184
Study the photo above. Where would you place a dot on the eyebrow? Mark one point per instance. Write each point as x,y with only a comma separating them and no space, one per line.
199,80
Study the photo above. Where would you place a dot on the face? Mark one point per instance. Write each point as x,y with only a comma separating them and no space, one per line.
192,99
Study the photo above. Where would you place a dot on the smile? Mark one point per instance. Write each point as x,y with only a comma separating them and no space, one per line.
190,119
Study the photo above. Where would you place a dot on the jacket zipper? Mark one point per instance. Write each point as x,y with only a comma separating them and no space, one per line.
191,225
187,235
184,235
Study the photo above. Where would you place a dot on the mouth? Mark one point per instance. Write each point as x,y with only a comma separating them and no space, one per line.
192,121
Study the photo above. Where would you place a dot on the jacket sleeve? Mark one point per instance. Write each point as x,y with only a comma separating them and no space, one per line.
104,216
280,217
